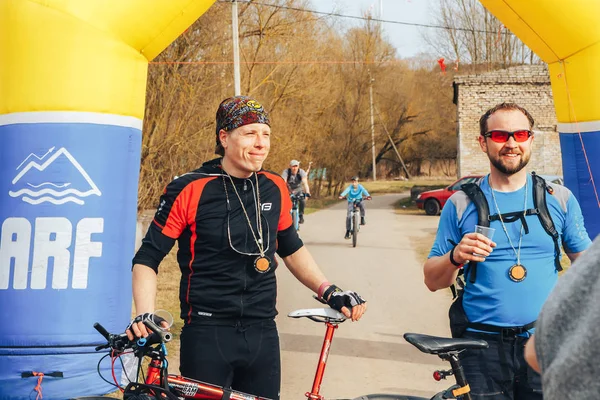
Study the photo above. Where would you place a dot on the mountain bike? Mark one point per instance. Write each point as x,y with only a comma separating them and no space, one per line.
296,197
355,219
159,384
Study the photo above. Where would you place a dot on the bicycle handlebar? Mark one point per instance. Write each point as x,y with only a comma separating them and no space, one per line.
121,342
299,196
356,200
116,342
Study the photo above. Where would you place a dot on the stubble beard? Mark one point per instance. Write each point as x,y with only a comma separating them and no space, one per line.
500,166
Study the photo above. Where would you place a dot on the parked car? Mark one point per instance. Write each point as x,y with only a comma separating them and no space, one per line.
432,201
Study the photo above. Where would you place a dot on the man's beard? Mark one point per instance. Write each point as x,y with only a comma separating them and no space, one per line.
496,162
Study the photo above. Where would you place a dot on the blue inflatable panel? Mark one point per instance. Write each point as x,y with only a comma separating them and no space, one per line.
577,174
68,202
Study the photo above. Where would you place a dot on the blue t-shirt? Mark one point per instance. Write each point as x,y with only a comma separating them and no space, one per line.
494,298
355,194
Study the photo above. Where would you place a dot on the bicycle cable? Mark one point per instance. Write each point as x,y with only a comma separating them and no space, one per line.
100,374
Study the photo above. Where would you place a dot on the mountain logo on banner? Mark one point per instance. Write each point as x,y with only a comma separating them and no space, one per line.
41,179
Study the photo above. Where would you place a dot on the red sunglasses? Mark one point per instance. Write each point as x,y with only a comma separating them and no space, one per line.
499,136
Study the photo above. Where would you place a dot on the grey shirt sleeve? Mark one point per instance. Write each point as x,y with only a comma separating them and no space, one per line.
567,332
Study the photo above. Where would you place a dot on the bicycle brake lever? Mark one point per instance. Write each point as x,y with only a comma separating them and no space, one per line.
102,347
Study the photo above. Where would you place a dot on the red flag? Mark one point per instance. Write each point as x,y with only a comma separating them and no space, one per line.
442,65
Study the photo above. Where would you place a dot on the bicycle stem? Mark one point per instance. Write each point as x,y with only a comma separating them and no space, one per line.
314,393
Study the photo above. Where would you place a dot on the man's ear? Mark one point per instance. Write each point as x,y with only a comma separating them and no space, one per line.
482,143
223,138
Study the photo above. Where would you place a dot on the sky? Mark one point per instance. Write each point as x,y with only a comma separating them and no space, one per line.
407,39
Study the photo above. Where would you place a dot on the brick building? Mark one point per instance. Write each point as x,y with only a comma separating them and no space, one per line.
528,86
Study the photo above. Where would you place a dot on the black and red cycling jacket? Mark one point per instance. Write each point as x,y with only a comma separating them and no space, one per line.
219,283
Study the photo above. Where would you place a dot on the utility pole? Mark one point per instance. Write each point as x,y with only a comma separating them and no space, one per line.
371,80
393,144
236,48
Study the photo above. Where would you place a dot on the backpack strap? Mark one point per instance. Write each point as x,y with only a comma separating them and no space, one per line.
474,192
539,200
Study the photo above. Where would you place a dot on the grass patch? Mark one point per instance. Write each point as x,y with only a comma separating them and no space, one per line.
314,205
381,187
407,206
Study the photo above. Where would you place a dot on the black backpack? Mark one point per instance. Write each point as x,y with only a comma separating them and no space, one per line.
296,182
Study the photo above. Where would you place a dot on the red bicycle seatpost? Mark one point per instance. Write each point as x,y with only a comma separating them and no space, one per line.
314,393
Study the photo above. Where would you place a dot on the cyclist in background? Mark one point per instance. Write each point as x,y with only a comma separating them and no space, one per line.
297,182
355,191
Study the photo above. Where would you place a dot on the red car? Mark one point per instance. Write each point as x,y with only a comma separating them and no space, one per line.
432,201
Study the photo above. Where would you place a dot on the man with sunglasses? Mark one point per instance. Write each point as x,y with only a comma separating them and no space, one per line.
508,279
230,217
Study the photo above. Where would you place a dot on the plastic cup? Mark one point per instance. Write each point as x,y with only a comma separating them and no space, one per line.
485,231
159,317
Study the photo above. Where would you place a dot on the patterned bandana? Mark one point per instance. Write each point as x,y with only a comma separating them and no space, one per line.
238,111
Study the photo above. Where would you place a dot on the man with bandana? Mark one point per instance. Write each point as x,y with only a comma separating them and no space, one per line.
229,218
507,279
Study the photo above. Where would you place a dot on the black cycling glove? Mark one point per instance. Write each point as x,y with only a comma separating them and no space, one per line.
147,316
337,298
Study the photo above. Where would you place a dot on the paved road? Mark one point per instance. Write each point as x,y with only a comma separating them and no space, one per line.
369,356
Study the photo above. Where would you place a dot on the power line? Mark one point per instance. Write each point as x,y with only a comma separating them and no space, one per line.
386,21
281,62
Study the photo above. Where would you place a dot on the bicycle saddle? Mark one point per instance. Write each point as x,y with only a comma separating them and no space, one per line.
319,315
436,345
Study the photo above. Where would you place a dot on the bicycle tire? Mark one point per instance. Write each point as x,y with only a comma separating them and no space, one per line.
355,228
389,397
295,219
92,398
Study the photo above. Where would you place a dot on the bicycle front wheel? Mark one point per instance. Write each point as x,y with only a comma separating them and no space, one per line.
355,227
295,219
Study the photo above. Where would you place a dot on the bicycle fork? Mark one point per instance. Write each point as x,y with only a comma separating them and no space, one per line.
314,393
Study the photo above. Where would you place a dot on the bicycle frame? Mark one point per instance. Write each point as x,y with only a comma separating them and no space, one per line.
160,384
316,387
295,209
191,389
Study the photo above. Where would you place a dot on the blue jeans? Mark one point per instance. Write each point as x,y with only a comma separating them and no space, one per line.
500,371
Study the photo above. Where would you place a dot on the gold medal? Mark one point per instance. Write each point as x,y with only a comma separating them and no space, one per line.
262,264
517,273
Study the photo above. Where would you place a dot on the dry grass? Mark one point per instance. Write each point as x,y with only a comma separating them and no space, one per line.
403,186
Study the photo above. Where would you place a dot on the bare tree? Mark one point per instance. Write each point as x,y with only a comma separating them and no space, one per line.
474,36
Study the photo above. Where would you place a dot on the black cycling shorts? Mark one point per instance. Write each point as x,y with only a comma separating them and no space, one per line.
245,358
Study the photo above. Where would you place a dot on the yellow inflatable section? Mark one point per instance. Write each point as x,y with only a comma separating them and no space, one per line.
85,55
72,91
566,35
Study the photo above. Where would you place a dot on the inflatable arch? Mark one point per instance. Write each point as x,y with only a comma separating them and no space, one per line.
566,35
72,89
